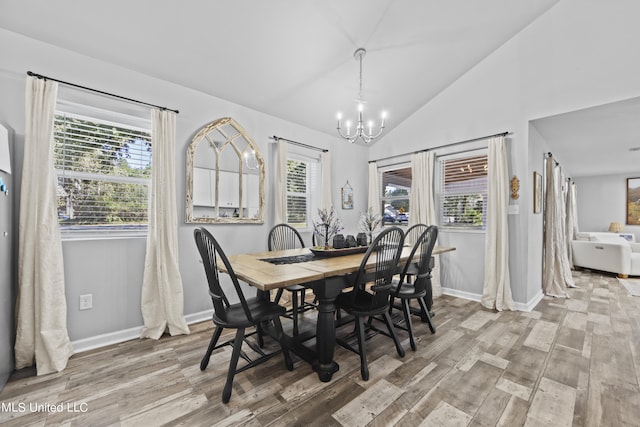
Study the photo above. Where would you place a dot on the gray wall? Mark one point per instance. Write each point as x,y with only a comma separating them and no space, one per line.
7,272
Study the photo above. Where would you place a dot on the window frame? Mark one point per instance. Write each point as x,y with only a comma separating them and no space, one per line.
440,192
384,199
313,184
112,118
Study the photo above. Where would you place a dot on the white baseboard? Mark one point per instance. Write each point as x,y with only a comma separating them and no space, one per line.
462,294
116,337
528,306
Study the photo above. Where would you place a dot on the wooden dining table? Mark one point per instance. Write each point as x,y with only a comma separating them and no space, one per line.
325,275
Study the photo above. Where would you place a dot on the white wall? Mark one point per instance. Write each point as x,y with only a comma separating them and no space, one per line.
111,270
602,200
579,54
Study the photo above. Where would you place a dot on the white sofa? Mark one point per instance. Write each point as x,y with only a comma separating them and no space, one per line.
607,252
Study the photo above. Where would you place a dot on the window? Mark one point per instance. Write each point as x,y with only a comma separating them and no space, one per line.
396,185
103,173
303,196
463,192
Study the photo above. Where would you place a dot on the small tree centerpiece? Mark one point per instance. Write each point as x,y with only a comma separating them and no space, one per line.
369,222
327,226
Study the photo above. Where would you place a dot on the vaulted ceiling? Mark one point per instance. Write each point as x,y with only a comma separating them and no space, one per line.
292,59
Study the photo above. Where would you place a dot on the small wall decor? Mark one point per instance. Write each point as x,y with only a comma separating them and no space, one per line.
347,196
633,201
515,187
537,193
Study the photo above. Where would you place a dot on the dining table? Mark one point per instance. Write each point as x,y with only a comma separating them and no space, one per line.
327,274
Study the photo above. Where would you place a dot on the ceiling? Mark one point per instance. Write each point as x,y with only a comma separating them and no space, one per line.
291,59
602,140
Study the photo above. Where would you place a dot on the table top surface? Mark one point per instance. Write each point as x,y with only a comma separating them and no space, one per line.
251,268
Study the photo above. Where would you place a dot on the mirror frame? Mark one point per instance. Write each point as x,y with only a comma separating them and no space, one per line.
200,137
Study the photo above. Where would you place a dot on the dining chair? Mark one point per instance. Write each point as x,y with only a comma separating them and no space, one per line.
419,263
247,313
281,237
411,237
371,291
412,234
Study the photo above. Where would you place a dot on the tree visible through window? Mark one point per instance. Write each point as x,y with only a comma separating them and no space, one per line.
103,173
463,199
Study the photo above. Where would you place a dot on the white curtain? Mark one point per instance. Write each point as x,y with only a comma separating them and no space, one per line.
556,269
162,298
325,160
280,190
572,219
373,201
421,201
423,208
496,292
41,320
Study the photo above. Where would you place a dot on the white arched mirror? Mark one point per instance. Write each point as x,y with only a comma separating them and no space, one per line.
225,175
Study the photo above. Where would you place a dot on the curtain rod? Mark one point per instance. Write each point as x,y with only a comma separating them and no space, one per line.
277,138
40,76
443,145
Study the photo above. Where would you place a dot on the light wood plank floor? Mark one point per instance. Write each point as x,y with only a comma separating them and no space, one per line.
573,362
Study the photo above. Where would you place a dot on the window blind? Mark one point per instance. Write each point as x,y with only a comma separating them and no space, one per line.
297,193
463,200
103,172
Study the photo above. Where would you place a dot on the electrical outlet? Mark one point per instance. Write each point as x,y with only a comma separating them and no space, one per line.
86,302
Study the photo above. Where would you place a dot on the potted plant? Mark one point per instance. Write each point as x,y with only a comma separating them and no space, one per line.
369,222
327,226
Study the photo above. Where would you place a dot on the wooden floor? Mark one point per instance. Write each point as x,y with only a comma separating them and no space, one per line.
570,362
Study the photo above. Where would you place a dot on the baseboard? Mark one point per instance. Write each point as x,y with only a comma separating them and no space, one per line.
462,294
117,337
528,306
199,317
104,340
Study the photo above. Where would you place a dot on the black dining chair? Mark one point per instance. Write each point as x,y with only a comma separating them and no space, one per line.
412,234
371,291
281,237
419,263
247,313
411,237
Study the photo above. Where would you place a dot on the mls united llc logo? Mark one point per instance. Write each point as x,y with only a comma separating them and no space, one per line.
22,407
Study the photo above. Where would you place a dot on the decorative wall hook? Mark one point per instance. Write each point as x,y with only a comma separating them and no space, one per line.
515,187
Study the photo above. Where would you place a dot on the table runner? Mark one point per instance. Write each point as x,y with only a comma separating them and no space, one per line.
290,259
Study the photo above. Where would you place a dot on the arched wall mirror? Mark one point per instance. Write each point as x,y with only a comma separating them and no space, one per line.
225,175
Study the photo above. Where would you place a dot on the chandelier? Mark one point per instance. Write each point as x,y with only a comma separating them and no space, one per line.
359,131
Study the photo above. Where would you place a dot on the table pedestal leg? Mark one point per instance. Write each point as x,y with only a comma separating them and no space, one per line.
326,291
